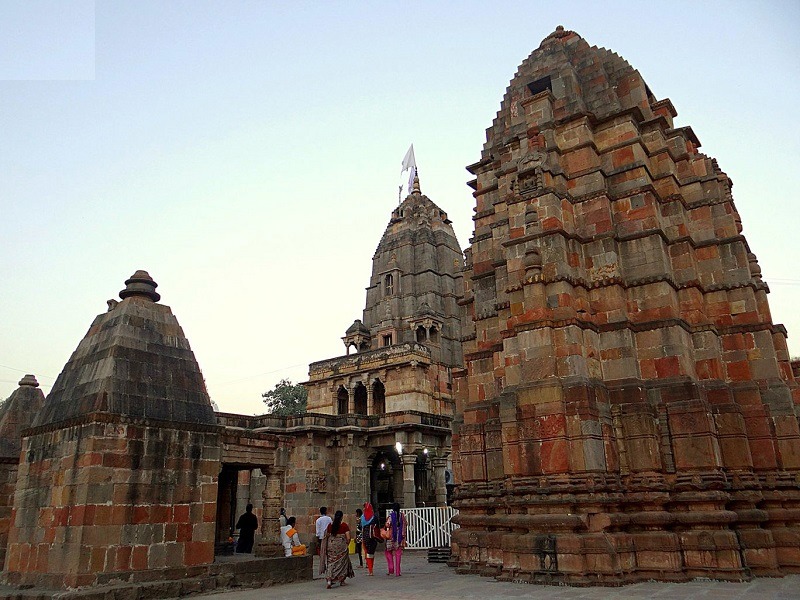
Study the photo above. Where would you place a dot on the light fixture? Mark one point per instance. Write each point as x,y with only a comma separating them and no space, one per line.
383,466
425,451
399,447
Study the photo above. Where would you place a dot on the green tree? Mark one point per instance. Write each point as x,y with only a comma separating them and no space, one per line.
286,398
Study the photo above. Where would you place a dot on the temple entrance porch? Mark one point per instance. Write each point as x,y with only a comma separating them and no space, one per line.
413,479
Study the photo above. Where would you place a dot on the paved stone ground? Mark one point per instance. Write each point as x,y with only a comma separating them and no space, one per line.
424,581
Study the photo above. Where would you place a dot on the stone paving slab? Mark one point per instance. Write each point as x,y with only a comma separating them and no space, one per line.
424,581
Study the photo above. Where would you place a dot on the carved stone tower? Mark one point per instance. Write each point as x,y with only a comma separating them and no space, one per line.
119,471
627,409
394,395
415,285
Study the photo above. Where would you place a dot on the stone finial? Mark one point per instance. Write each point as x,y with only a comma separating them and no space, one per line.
558,34
415,186
140,284
29,380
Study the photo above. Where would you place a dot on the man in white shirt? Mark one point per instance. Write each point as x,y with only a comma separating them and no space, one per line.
321,525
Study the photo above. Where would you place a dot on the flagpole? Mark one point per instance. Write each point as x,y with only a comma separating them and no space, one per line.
409,162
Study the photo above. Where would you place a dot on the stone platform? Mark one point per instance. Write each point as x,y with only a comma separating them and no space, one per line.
424,581
227,572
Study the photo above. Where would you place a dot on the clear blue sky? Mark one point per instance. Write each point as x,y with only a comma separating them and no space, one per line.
247,154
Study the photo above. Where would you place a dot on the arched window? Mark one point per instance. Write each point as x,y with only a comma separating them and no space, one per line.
360,399
388,284
421,334
378,398
433,335
342,399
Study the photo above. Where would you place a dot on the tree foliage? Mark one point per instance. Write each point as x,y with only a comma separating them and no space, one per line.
286,398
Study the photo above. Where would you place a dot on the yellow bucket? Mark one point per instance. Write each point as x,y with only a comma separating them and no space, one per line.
352,547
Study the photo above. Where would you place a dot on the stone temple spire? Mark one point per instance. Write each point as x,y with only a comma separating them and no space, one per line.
627,399
417,262
128,425
134,361
17,413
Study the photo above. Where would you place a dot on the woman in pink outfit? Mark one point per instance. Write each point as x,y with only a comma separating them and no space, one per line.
396,533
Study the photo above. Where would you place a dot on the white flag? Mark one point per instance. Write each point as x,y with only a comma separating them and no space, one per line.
409,161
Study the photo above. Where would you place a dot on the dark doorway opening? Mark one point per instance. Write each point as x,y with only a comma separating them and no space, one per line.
226,509
382,480
342,398
378,398
360,399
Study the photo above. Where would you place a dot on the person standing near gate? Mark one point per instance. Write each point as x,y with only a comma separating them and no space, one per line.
396,532
321,525
372,535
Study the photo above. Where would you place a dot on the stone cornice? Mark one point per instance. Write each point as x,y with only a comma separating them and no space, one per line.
103,417
391,355
634,327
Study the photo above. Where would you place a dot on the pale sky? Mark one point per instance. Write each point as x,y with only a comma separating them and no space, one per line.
247,154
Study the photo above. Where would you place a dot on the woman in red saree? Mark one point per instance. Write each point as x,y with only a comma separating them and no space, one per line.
334,555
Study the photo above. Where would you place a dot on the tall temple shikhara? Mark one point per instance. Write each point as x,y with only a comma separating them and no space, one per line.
627,409
397,387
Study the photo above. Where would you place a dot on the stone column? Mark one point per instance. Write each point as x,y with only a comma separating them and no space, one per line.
369,397
270,544
439,466
409,487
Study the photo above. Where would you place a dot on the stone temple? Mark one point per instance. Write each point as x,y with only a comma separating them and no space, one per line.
627,409
601,373
125,474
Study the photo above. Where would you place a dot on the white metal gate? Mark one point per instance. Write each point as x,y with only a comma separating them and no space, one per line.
429,527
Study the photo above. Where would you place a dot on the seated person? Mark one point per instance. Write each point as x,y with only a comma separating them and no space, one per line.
291,540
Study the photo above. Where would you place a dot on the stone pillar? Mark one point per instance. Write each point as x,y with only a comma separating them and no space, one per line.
369,397
439,466
270,544
409,486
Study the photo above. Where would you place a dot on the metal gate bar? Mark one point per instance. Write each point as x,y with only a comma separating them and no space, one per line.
429,527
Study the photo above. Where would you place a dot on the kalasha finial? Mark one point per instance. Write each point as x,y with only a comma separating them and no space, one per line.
558,34
415,185
140,284
29,380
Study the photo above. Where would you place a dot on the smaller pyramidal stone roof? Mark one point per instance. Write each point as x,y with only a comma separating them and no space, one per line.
135,361
17,414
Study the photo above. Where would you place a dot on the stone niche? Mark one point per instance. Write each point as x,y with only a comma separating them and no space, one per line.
627,409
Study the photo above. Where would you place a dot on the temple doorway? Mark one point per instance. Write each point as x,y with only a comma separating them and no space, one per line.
386,473
226,509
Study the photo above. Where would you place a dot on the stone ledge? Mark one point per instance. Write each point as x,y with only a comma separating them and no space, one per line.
143,585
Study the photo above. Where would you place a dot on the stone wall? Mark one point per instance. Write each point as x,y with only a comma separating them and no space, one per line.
8,480
106,495
326,470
